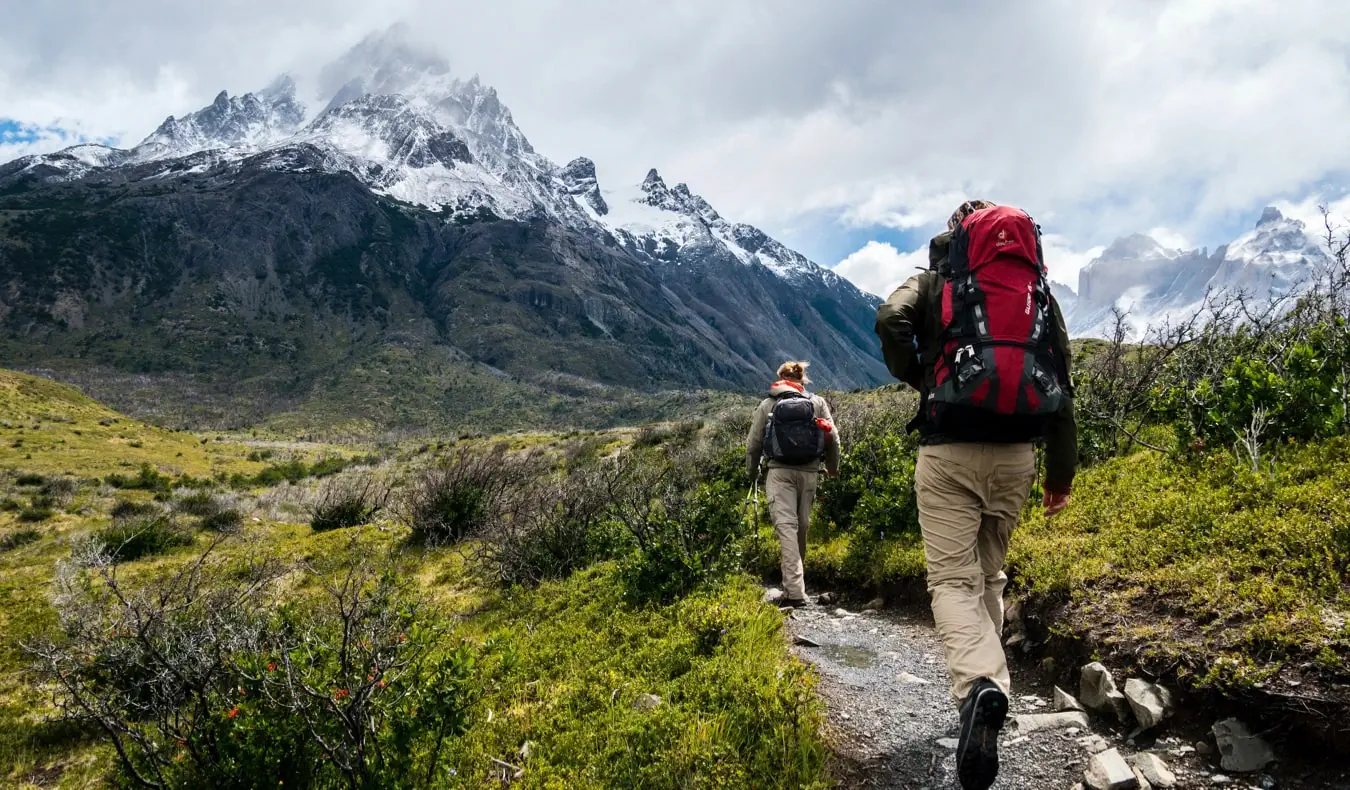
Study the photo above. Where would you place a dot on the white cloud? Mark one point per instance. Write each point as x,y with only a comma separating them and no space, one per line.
1100,118
1063,261
879,267
1169,238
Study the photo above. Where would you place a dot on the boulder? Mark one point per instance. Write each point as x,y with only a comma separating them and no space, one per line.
1035,722
646,701
1108,771
1154,770
1066,701
1150,703
876,603
1096,688
1239,749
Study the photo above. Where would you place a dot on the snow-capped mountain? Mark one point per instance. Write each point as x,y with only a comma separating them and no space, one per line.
249,122
398,120
1154,284
293,231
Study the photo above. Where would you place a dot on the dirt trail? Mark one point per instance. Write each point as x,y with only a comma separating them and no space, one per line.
892,725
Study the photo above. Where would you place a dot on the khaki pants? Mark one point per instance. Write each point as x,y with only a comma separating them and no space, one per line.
790,493
969,498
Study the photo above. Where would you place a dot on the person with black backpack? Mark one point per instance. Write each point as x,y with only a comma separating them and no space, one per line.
793,434
982,339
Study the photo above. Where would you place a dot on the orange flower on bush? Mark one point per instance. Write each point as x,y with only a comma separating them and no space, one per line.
233,712
341,694
271,666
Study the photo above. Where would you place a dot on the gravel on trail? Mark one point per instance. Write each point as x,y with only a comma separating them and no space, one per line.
892,724
891,720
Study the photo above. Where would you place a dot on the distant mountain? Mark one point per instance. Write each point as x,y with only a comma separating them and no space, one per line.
1154,284
259,255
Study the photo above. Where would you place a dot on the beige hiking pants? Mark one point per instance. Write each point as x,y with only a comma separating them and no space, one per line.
969,498
790,493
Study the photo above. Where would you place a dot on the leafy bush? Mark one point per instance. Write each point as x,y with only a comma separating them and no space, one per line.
133,537
126,508
29,479
10,504
147,479
39,510
18,539
349,503
687,532
554,525
463,494
214,676
198,503
227,520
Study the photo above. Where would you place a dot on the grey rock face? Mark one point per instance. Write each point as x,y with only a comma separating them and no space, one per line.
1241,750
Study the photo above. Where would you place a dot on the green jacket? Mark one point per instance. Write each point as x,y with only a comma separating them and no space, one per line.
905,316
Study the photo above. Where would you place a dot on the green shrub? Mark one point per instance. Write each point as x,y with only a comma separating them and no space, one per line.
227,520
349,503
29,479
201,680
198,503
39,510
131,538
126,508
147,479
463,494
18,539
9,504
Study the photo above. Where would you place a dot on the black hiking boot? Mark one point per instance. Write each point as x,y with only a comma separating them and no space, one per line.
793,603
982,716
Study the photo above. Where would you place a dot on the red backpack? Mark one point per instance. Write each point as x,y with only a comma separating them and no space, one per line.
996,376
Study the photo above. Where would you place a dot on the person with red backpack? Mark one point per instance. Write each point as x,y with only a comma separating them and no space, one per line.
982,339
793,430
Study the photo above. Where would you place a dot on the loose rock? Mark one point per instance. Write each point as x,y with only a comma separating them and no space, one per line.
1097,690
1094,744
802,641
773,595
842,613
876,603
1109,771
1139,780
825,598
1154,770
1149,702
646,701
1066,701
1239,749
1035,722
913,680
948,743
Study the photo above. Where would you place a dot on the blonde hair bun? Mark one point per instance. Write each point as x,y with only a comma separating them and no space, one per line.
794,371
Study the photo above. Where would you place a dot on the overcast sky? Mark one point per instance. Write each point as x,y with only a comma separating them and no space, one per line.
849,129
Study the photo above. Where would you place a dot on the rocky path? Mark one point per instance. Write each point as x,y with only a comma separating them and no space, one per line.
891,723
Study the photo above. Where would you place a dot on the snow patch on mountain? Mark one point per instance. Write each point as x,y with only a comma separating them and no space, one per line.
251,121
1158,286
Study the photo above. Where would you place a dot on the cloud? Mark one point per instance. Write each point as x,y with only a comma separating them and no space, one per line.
1100,118
879,267
1169,238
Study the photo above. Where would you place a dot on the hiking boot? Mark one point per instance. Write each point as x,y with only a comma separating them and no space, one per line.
982,716
793,603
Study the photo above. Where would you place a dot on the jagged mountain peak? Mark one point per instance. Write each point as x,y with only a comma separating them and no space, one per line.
579,180
252,120
1269,216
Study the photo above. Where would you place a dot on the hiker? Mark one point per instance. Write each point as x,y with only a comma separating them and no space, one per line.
982,339
793,430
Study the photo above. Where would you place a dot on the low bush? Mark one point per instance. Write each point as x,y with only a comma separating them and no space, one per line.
18,538
197,503
348,503
126,508
554,526
39,510
214,676
464,493
29,479
227,520
147,479
133,537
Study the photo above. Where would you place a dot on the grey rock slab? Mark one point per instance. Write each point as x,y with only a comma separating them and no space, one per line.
1035,722
1150,703
1152,767
1108,771
646,701
911,679
1096,686
1066,701
1239,749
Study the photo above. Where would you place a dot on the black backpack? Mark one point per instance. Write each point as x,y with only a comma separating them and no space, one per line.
792,435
